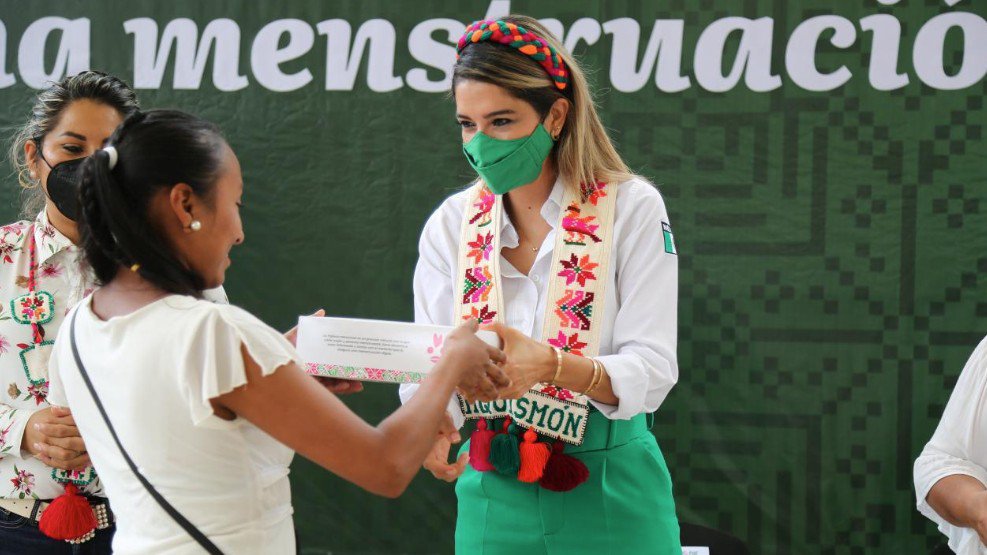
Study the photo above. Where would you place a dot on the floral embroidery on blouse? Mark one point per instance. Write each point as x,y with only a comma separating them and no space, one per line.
61,276
23,484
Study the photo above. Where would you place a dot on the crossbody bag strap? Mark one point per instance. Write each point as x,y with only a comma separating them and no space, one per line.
196,534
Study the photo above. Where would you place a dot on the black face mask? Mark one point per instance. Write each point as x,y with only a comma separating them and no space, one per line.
63,186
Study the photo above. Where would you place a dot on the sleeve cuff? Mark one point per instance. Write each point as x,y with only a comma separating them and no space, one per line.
630,386
16,424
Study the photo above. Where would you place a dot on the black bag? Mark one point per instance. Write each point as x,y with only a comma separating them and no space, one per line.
196,534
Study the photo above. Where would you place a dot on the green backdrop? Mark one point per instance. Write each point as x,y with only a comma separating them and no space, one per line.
831,241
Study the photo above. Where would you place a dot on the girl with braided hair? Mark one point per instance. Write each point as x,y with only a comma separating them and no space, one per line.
195,409
565,253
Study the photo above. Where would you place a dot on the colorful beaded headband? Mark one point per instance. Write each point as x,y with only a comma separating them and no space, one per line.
521,39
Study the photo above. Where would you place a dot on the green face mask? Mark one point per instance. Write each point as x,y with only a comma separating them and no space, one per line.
506,165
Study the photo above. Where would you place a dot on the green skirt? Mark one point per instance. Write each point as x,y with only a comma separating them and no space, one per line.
625,506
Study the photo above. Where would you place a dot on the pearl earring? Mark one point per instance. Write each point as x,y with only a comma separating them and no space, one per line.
196,225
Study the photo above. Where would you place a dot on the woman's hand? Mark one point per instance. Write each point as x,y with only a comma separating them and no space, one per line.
479,375
528,361
437,461
337,386
52,437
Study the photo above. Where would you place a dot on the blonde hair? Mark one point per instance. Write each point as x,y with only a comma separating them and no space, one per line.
583,152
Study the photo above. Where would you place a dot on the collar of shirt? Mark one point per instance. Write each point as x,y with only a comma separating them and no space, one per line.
510,239
550,211
49,240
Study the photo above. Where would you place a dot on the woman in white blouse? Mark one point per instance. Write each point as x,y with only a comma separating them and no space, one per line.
207,401
570,258
951,472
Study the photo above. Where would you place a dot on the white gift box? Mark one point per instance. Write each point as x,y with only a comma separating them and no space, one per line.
373,350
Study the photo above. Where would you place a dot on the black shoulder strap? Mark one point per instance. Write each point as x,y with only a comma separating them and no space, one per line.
196,534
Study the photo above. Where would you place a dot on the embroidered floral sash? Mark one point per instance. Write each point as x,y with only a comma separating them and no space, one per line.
576,294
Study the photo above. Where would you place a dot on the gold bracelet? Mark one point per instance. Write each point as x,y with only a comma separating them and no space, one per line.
598,377
558,364
597,373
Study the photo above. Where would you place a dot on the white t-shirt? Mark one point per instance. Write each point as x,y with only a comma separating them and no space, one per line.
155,371
958,447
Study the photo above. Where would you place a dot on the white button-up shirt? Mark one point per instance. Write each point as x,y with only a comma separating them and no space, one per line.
959,446
640,320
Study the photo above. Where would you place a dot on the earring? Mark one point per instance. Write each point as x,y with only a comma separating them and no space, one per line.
558,131
196,225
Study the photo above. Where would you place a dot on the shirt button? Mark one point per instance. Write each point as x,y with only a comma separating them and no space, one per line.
536,278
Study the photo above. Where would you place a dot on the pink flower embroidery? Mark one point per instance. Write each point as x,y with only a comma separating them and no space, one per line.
3,435
51,270
48,232
481,248
39,392
23,482
15,228
33,308
557,392
577,269
436,349
4,344
568,344
6,249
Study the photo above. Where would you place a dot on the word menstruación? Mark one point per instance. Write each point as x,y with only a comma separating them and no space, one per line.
728,51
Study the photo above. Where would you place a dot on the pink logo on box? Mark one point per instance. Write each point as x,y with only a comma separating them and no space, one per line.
436,349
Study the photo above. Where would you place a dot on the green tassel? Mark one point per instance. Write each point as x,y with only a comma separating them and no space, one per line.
504,453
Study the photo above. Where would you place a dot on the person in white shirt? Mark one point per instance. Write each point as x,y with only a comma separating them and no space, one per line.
951,472
570,258
192,410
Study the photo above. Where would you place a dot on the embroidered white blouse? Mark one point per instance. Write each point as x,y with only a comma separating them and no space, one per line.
59,272
155,371
640,321
958,447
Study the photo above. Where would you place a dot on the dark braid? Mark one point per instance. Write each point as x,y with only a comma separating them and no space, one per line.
107,253
156,150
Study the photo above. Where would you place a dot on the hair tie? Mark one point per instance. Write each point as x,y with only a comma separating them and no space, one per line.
520,39
114,156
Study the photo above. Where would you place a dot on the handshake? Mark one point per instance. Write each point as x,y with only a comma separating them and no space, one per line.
485,373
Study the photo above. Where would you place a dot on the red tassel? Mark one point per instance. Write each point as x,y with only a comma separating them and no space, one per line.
69,517
480,447
563,473
534,457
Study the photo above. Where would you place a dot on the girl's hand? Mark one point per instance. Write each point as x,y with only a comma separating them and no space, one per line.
437,461
334,385
477,364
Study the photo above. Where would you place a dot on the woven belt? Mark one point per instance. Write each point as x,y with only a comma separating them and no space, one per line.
603,433
32,509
